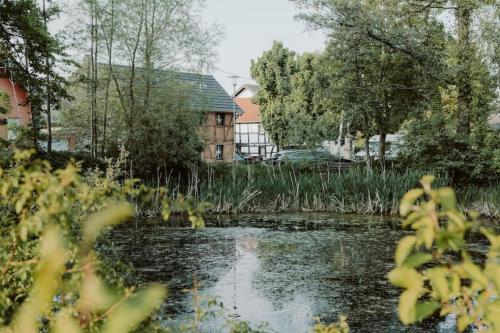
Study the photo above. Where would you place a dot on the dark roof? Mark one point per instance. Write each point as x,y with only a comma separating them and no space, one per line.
207,93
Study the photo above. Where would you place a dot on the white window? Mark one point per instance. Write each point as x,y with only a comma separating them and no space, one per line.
253,128
254,150
262,138
219,152
244,138
219,119
254,138
261,129
243,128
12,125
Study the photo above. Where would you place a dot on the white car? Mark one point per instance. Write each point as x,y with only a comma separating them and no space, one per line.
393,147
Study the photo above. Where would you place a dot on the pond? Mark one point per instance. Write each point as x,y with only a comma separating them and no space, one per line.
283,270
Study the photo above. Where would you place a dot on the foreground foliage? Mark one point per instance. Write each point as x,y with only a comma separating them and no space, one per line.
50,276
429,269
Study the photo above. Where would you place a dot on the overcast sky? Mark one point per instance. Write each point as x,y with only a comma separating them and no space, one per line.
250,28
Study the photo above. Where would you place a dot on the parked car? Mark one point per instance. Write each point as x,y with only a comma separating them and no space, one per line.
305,156
242,158
393,144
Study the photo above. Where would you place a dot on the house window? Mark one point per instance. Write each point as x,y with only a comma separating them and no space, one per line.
219,152
219,119
12,126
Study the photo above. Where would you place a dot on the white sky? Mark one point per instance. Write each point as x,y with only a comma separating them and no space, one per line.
250,28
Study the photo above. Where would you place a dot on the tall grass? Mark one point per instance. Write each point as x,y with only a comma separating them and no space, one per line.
232,189
485,200
261,188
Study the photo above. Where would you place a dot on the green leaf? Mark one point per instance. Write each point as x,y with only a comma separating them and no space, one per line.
463,322
426,309
407,306
128,315
475,274
446,197
111,216
427,181
417,259
404,248
406,277
439,283
409,200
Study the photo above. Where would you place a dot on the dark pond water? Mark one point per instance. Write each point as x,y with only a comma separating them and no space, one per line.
285,270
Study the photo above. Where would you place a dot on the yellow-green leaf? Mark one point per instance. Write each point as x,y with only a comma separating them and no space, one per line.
409,200
128,315
475,274
404,248
417,259
426,309
446,197
406,277
439,283
407,306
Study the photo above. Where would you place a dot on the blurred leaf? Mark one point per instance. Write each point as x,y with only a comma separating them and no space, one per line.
475,274
114,215
404,248
131,313
439,283
426,309
417,259
409,200
407,306
65,324
406,277
53,257
446,197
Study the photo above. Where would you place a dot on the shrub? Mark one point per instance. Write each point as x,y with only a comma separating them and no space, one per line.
428,270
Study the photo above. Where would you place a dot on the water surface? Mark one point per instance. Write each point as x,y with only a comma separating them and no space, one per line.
285,270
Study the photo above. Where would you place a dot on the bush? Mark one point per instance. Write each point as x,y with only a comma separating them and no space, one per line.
429,272
50,276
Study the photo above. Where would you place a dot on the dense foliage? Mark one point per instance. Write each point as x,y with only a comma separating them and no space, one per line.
125,95
33,56
391,67
428,268
50,275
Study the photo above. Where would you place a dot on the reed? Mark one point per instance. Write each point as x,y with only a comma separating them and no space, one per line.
261,188
233,189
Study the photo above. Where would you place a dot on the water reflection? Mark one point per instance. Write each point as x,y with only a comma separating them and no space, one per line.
285,270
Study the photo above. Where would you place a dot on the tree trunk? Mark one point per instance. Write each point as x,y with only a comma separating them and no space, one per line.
463,79
367,151
108,82
47,82
382,147
93,64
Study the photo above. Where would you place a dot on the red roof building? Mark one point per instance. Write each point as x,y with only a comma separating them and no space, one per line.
15,109
251,138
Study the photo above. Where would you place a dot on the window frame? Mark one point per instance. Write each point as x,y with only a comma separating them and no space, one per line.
222,119
219,157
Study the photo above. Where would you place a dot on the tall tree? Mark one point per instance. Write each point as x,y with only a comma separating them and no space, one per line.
30,52
411,37
273,71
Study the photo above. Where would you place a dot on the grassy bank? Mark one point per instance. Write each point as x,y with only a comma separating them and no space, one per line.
261,188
